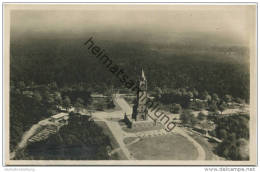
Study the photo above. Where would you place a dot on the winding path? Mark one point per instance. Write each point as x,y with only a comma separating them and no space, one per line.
200,150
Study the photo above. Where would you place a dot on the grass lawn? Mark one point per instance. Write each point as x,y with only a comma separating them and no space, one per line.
129,140
108,133
208,147
167,147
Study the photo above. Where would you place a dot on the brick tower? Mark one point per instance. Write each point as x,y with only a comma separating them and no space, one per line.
140,110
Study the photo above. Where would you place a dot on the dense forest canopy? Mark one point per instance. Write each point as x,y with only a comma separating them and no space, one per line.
219,69
194,59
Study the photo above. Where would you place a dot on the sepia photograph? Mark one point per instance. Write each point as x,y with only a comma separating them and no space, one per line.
130,84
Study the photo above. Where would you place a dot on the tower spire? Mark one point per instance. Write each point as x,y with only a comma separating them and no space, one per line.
142,75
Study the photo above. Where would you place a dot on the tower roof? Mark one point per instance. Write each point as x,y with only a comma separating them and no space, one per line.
143,76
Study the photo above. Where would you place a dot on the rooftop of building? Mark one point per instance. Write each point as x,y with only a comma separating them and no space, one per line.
59,115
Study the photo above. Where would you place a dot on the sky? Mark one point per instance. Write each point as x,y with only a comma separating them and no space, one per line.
231,25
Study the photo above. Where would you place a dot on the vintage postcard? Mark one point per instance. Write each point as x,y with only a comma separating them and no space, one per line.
130,84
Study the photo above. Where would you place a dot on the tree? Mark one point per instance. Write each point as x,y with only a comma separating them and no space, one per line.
225,152
57,98
213,107
240,101
208,98
52,111
67,103
178,92
222,107
199,105
175,108
215,97
201,116
53,86
110,104
193,120
100,107
232,137
45,95
233,152
21,85
204,95
222,134
190,95
188,118
80,100
195,93
50,100
243,149
37,96
79,104
206,126
228,98
185,117
158,92
183,91
212,133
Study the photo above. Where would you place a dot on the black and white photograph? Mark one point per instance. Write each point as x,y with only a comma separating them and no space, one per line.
130,84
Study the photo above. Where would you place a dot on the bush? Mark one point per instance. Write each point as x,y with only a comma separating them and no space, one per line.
188,118
100,107
175,108
110,104
213,107
201,116
212,133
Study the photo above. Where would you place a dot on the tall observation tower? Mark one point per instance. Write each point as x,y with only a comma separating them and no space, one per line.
140,109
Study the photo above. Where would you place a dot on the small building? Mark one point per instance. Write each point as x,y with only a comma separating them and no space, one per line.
98,96
61,118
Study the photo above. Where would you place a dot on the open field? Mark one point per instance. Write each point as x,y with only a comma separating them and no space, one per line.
167,147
